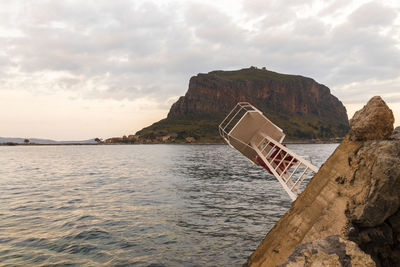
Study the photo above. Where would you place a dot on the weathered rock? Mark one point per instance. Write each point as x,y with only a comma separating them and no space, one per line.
304,108
217,92
330,251
396,134
355,194
373,122
376,180
190,139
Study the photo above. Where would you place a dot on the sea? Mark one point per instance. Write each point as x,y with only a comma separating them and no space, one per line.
137,205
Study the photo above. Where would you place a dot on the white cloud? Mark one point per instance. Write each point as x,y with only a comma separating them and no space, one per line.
130,50
373,14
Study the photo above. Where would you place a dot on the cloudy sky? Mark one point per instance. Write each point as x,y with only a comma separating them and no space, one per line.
83,69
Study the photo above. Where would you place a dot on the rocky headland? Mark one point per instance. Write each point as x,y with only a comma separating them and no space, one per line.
348,215
302,107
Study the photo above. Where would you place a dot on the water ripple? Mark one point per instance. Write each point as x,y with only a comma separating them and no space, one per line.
144,205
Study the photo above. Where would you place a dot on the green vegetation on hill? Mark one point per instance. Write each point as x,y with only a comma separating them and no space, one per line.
202,130
206,131
297,127
252,74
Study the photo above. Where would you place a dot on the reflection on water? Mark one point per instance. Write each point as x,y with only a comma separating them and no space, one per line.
166,205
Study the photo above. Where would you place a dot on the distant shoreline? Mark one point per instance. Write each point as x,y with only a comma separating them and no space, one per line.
289,142
71,144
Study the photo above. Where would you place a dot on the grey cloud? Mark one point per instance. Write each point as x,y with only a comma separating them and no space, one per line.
262,7
311,27
212,25
256,7
279,19
373,14
363,54
88,47
347,53
364,91
131,49
333,7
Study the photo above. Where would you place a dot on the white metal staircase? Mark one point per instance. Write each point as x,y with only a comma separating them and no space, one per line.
249,131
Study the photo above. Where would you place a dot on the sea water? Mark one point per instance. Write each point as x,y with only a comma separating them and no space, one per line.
137,205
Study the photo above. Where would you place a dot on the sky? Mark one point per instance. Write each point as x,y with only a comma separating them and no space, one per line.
74,70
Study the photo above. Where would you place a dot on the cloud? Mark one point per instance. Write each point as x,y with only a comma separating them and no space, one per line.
133,49
373,14
217,29
73,54
355,50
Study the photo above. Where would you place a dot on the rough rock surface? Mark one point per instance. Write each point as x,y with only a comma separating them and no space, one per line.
355,194
375,114
218,92
330,251
395,134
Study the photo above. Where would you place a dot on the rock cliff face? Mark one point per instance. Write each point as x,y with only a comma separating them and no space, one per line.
217,92
348,215
302,107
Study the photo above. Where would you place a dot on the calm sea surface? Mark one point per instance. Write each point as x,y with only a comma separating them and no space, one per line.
138,205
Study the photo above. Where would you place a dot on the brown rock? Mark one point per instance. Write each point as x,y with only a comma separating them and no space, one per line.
355,194
330,251
377,181
114,140
396,134
165,138
190,139
217,92
374,121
